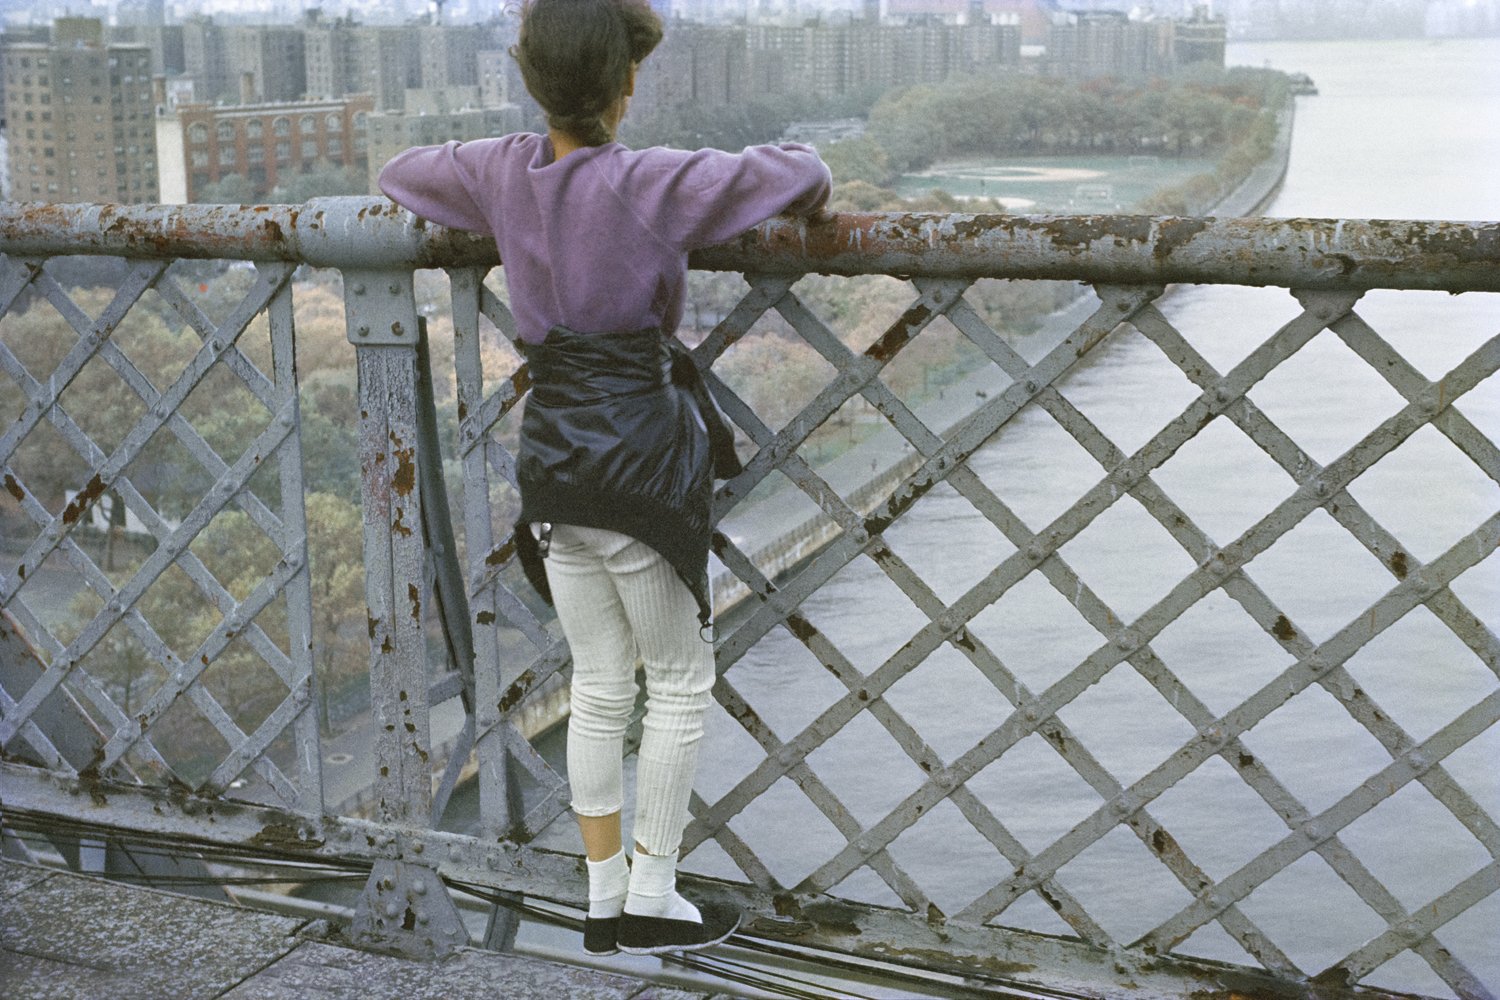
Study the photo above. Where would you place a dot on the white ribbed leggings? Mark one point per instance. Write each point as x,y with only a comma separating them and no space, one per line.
618,601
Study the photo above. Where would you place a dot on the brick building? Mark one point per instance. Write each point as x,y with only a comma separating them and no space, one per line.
268,143
80,118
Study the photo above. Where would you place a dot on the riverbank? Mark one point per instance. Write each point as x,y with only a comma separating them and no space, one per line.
783,529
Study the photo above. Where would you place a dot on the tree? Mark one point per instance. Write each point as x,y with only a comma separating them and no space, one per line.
231,189
859,159
325,180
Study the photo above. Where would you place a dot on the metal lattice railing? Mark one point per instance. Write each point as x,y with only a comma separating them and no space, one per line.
517,655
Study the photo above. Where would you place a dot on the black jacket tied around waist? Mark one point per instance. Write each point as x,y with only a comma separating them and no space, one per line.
620,432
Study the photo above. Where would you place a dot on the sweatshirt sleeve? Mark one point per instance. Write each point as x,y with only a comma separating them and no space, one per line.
437,183
714,195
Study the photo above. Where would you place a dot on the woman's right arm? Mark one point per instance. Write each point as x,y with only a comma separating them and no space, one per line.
435,182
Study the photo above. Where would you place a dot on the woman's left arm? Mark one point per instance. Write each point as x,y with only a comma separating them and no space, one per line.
435,182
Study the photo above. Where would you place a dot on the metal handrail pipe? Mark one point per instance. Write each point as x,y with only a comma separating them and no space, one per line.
367,232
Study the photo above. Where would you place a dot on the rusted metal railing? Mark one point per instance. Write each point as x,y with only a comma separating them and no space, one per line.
73,750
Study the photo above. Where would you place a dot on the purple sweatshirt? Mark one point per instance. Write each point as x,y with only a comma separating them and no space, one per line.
598,240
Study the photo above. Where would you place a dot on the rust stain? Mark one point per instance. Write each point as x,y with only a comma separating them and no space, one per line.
502,553
485,618
1174,233
516,691
1247,760
900,504
838,918
1076,234
1163,842
81,502
14,487
405,478
1398,565
1283,629
370,623
399,526
283,836
748,717
900,333
415,597
800,627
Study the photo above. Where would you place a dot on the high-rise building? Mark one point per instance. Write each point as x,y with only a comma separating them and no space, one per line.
1034,17
1200,38
1110,44
205,58
449,56
80,117
267,63
331,51
837,59
701,64
389,64
164,41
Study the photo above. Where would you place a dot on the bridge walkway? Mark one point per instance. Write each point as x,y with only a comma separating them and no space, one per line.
65,936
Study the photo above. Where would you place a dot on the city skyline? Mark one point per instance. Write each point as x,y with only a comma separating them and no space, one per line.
1258,18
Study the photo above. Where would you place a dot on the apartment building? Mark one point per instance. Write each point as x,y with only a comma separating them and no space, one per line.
1200,38
707,66
1095,44
432,117
80,117
331,56
831,60
205,58
270,59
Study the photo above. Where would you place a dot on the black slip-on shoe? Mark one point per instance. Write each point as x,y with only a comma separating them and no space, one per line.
640,935
599,936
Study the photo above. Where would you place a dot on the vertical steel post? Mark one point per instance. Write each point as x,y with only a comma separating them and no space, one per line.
404,907
500,805
293,545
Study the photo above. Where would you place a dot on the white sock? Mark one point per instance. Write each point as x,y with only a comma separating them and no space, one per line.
653,889
609,882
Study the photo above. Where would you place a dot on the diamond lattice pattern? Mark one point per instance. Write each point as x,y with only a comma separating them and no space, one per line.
187,566
919,740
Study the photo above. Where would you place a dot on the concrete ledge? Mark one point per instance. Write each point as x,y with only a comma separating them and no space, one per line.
76,937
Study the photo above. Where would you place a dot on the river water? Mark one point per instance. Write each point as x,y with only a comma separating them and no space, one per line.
1400,130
